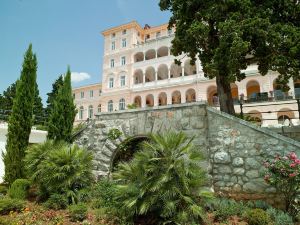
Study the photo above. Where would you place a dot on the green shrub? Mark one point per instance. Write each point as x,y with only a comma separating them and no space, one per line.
59,168
3,190
257,217
78,212
114,133
163,182
9,204
56,201
279,217
19,189
225,208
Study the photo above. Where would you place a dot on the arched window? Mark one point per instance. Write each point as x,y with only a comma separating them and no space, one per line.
122,104
110,106
91,112
99,108
81,111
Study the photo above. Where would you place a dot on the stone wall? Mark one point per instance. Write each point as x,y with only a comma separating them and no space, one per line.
235,149
291,132
237,152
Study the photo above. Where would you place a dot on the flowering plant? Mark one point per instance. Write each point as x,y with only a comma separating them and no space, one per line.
284,174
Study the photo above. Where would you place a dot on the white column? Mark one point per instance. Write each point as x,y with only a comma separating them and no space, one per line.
169,73
155,75
155,99
182,71
143,101
169,99
144,78
183,97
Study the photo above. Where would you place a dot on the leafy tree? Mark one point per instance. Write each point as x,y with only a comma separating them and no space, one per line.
20,121
57,168
52,95
163,182
62,115
229,35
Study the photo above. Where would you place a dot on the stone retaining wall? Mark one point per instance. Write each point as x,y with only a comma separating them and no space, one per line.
235,149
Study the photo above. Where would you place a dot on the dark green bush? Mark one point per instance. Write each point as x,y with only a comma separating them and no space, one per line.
59,168
3,190
257,217
225,208
78,212
19,189
56,201
164,182
9,204
279,217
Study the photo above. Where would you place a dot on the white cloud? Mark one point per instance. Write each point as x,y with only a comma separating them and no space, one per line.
78,77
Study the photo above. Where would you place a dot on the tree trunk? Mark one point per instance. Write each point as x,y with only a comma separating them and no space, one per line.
224,94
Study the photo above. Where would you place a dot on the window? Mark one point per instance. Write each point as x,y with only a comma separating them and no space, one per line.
113,45
158,34
123,42
99,108
111,82
91,112
122,81
82,94
91,93
113,35
110,106
100,92
81,110
112,63
124,32
122,104
123,60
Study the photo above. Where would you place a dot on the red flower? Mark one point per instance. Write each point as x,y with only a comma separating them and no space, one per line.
292,174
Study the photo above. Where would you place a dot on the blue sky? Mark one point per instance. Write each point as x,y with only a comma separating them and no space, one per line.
64,32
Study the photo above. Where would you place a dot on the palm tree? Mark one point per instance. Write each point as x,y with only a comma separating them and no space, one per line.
164,181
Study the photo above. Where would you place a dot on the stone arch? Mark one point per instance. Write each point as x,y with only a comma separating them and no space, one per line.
129,146
150,74
253,88
162,51
149,100
175,70
190,95
189,69
138,57
162,98
138,101
138,76
176,97
150,54
162,72
212,95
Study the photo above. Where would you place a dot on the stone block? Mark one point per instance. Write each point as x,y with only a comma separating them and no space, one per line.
222,157
238,171
252,174
238,161
197,122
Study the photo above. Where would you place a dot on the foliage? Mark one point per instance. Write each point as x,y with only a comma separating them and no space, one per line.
163,182
38,108
59,168
9,204
114,133
78,212
257,217
229,35
53,94
132,106
20,121
258,204
6,101
284,174
62,115
3,190
77,128
225,208
56,201
19,189
279,217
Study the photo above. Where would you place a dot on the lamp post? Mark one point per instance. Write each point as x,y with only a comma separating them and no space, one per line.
241,105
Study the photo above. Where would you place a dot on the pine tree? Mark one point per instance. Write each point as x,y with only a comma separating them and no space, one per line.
20,121
63,113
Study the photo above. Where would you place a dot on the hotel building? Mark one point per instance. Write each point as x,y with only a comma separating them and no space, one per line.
138,68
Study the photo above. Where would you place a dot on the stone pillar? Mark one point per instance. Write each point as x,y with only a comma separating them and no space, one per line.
144,57
155,75
155,99
182,71
169,51
169,99
144,78
183,97
169,73
143,101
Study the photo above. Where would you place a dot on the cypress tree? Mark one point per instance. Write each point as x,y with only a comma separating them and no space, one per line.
63,113
38,110
21,119
53,94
